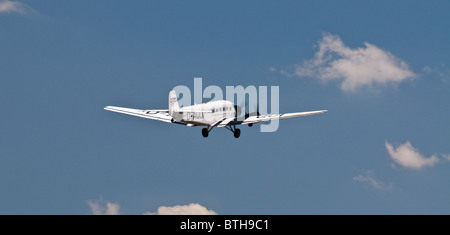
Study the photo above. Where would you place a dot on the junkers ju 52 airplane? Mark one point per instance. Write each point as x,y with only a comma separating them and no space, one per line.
219,113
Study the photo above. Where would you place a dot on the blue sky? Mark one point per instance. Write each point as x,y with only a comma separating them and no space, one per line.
383,147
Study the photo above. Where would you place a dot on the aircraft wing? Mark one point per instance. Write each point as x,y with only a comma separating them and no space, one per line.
265,118
154,114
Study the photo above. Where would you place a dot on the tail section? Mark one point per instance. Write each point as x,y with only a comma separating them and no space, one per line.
173,103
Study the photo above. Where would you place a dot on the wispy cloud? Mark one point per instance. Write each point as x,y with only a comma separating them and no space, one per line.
407,156
446,156
368,179
355,68
191,209
442,72
109,208
7,6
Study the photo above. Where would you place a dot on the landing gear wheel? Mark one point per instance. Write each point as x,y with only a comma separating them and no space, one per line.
205,132
237,133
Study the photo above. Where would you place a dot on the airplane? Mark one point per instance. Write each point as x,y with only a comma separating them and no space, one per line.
219,113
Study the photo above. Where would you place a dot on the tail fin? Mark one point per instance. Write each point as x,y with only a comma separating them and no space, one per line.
173,103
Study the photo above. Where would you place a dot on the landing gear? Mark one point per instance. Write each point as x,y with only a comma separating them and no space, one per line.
236,131
205,132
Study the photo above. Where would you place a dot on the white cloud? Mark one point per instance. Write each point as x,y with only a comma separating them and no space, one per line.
356,68
109,209
113,209
13,7
191,209
369,179
407,156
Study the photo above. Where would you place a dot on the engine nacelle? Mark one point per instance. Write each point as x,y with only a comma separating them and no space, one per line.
237,110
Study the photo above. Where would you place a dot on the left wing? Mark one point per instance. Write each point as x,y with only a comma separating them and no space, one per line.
265,118
154,114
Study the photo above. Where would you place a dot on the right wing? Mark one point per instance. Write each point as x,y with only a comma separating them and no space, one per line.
154,114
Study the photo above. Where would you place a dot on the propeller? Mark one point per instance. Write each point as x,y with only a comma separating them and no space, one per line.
238,110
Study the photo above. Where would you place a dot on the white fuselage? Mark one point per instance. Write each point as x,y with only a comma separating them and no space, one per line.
205,114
